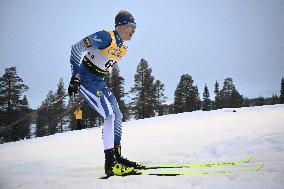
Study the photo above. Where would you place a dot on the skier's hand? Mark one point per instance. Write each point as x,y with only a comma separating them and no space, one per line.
74,85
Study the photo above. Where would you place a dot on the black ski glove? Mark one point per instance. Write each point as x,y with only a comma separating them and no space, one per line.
74,85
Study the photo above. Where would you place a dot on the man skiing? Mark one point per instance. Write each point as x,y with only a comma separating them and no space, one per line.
101,51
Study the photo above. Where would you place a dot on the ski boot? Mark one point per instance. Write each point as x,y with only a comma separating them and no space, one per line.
125,161
112,167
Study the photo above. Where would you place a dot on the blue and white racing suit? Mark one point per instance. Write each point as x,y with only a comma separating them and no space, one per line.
92,58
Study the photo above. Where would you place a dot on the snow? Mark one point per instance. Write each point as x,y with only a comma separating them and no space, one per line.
75,159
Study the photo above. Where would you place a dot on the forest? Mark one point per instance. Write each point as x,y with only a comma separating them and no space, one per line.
56,113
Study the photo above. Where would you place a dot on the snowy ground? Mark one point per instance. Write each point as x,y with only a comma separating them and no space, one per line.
75,160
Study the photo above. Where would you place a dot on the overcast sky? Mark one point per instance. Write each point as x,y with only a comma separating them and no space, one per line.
210,40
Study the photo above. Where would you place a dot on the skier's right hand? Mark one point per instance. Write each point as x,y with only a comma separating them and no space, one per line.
74,85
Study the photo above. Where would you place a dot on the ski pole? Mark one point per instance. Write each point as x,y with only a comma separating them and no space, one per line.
37,110
72,108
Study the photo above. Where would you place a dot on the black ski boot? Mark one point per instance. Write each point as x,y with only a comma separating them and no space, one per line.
125,161
112,167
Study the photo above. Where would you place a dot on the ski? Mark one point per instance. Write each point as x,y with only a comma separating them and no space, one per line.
178,173
192,165
198,165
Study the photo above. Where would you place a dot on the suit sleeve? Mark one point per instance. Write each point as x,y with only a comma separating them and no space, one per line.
98,40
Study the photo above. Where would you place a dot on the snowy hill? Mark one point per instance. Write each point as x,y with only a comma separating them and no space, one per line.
74,160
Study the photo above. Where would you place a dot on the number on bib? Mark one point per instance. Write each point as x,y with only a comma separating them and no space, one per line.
110,63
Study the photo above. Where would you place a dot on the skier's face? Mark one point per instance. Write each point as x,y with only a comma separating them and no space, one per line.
126,31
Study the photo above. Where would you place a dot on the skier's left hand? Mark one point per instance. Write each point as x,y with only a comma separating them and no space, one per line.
74,85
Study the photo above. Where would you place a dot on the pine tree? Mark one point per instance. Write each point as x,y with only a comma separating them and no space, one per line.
116,86
160,96
144,100
236,99
186,97
41,126
230,97
24,109
13,107
59,108
11,89
197,98
217,102
179,100
226,92
281,97
45,124
50,114
206,100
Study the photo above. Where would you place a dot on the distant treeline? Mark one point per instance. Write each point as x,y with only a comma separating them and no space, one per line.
146,99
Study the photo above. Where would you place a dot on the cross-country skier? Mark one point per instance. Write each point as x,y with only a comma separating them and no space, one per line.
101,51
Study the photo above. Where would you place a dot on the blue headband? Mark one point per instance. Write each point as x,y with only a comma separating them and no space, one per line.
128,19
